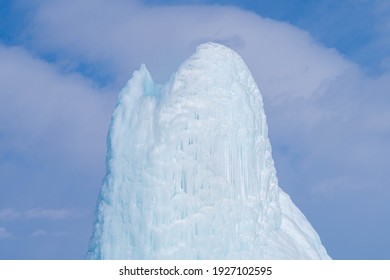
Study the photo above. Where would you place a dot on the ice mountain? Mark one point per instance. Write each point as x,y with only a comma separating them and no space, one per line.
190,173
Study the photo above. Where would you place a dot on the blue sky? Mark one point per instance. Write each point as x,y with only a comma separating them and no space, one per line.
322,67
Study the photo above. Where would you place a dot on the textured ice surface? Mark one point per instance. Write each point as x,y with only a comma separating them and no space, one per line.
190,173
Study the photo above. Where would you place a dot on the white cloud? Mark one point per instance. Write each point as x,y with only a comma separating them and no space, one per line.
9,214
50,214
47,114
41,213
285,60
4,234
39,233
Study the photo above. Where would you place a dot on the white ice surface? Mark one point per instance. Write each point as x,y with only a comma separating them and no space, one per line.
190,173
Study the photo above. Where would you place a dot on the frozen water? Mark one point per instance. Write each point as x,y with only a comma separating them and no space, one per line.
190,173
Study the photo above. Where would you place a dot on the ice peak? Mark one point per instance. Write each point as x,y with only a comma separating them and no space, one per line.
212,49
214,60
190,173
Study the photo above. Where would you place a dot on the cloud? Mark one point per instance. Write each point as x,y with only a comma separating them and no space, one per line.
4,234
44,109
52,132
360,29
284,59
9,214
39,233
52,214
41,213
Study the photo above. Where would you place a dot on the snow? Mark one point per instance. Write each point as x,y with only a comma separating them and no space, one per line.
190,173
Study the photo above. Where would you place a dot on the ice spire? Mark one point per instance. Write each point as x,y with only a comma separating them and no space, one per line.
190,173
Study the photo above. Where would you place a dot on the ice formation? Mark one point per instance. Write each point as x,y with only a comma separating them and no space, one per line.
190,173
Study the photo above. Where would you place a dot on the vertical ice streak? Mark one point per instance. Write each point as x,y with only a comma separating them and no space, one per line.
190,173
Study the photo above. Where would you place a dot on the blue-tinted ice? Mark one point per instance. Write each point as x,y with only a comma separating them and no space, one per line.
190,173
